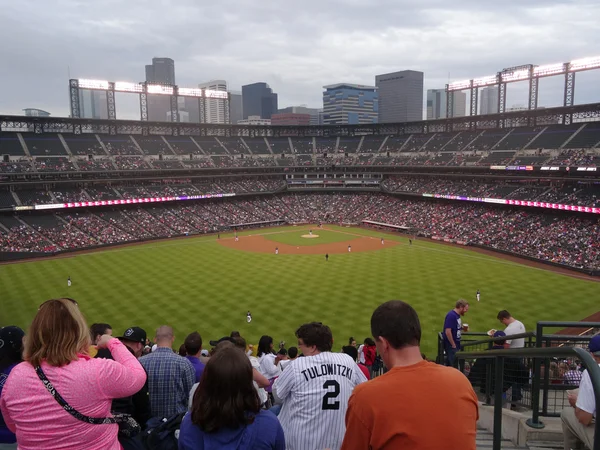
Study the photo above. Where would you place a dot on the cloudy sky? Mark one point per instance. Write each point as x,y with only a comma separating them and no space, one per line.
295,46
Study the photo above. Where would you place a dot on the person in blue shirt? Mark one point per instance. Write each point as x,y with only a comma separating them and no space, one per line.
193,348
11,354
453,329
226,411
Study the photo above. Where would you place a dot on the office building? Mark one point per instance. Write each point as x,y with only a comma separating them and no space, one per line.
258,99
236,111
290,119
436,104
92,104
215,107
316,114
346,103
400,96
162,71
254,120
35,112
488,99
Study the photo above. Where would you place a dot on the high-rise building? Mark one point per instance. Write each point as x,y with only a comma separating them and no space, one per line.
162,70
346,103
236,111
215,107
92,104
254,120
258,99
400,96
489,100
316,114
436,104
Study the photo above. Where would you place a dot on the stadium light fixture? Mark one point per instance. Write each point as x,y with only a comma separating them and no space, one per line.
125,86
549,69
584,63
159,89
215,94
459,85
485,81
189,92
93,84
515,75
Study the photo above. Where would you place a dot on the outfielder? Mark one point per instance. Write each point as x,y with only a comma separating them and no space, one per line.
69,281
478,295
248,317
315,390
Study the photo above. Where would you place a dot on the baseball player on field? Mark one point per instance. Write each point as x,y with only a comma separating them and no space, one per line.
315,390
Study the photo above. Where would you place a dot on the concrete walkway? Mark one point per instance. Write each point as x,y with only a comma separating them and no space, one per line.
485,442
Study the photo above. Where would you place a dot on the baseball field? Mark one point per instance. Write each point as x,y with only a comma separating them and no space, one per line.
208,284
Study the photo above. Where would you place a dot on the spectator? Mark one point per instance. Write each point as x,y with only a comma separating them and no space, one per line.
138,404
98,330
193,347
401,408
226,412
578,421
352,342
572,376
513,326
267,359
314,398
170,377
370,352
58,343
181,352
353,353
453,329
11,354
259,380
292,355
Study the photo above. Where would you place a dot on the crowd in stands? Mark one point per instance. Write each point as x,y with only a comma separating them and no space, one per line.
569,240
88,389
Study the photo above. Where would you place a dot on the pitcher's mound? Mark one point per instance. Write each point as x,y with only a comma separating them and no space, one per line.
310,236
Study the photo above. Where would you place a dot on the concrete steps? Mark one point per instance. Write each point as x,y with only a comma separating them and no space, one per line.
485,441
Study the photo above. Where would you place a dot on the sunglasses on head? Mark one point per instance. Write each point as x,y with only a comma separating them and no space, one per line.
58,299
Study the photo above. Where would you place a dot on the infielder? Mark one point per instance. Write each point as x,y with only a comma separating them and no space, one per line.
277,250
349,249
315,390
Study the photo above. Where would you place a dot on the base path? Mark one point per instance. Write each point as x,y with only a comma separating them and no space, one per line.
261,245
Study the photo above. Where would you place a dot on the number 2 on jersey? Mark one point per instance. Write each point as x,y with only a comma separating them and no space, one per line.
331,395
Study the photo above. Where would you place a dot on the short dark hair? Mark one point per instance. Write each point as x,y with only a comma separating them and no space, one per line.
225,397
292,352
234,334
397,322
369,341
193,343
239,342
99,329
350,350
317,334
504,314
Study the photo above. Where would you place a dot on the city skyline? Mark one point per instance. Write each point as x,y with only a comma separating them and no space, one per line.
297,56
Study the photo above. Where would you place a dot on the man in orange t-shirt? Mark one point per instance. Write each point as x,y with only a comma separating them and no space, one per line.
416,404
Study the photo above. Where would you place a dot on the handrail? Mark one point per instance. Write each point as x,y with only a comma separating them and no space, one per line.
536,353
499,338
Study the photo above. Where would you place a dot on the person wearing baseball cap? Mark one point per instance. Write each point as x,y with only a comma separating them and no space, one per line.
223,339
578,420
138,404
11,354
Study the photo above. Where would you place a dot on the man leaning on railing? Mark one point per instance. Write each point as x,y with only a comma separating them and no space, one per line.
577,421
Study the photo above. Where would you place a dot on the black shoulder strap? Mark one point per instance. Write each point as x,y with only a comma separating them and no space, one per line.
68,408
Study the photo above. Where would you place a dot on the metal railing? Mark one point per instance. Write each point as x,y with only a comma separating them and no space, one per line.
536,354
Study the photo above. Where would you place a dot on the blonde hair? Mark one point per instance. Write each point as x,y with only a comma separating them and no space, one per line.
58,334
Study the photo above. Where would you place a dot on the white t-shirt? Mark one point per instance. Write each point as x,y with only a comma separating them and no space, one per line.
585,399
361,354
262,394
268,367
516,327
283,363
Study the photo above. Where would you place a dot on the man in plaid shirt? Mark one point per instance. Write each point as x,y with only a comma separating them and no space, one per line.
572,376
170,377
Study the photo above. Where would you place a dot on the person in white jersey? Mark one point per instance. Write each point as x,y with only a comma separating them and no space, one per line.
513,326
69,281
314,390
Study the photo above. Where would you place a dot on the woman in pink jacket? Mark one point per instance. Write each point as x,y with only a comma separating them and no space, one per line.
58,341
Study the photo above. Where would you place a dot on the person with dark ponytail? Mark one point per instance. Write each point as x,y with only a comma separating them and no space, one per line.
11,354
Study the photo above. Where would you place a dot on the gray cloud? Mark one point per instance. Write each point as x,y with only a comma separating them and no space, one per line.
297,47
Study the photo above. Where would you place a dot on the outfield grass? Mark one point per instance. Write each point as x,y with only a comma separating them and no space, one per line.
197,284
